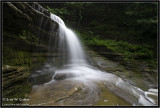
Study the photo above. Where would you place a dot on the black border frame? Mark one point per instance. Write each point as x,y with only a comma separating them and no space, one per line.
100,1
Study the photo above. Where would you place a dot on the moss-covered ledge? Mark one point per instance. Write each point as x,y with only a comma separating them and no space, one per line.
14,83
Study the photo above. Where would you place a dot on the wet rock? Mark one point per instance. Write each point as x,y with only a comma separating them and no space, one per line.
22,16
8,68
41,77
71,92
40,8
62,76
12,74
108,98
112,56
15,84
155,97
146,69
63,92
153,86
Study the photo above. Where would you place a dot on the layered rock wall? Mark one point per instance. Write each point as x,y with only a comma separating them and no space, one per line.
31,17
27,30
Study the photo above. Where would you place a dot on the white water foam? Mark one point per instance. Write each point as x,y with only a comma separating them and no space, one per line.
77,68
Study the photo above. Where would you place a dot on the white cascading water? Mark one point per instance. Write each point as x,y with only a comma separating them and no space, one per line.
75,51
78,69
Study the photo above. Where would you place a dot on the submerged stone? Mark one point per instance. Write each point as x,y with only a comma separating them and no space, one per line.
41,77
62,76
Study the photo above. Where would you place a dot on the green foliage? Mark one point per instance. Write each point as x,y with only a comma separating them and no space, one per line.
69,11
16,58
144,20
130,52
133,24
57,11
86,36
60,12
147,21
19,55
21,58
28,37
75,8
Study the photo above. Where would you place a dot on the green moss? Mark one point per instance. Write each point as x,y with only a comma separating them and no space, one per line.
28,37
18,90
21,58
107,98
16,57
130,52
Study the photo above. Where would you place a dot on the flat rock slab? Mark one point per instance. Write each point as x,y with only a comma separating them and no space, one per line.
53,93
142,80
72,93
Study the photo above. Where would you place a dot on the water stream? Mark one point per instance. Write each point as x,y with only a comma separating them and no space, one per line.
78,74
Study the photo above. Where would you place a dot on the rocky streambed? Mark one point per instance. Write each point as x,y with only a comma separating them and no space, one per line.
64,89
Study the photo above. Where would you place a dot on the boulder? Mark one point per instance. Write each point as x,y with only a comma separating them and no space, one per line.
41,77
62,76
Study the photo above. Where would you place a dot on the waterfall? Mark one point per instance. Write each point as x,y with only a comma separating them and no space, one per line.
68,40
78,69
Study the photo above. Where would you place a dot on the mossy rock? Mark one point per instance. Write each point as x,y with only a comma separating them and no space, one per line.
15,84
19,90
108,98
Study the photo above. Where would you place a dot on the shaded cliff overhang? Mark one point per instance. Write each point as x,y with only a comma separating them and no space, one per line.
24,13
32,17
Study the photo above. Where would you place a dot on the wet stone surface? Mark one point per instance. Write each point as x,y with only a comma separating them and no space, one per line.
143,80
70,93
41,76
63,89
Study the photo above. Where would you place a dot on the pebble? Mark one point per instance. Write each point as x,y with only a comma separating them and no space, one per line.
105,100
76,89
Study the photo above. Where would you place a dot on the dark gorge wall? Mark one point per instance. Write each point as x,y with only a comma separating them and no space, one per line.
28,35
22,17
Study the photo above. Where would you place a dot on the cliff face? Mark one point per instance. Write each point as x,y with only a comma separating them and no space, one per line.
28,34
19,17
